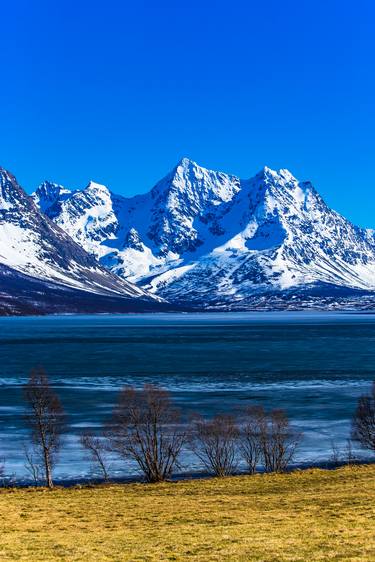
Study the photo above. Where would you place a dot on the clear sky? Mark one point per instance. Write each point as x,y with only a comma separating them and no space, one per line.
119,91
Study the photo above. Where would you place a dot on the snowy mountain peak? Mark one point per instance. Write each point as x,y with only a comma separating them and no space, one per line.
15,204
266,171
196,184
48,197
209,237
6,199
281,175
33,245
286,174
4,175
97,188
186,163
280,191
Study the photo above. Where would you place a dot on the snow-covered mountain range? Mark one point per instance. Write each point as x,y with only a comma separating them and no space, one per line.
36,253
216,241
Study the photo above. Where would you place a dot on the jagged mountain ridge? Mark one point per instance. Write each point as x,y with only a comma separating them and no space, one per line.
33,246
211,238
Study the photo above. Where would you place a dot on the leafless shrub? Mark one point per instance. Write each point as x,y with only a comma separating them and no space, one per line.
250,436
45,418
344,455
278,442
2,472
6,480
363,423
33,463
268,438
215,443
145,428
97,451
335,454
350,457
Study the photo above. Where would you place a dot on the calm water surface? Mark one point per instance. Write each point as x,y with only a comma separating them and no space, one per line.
310,364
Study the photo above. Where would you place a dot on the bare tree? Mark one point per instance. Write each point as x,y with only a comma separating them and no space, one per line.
45,418
335,453
97,451
363,423
215,443
278,442
6,480
254,426
32,463
2,472
145,427
350,456
341,456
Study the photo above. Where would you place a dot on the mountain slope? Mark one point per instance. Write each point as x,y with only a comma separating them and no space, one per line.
22,294
34,246
210,238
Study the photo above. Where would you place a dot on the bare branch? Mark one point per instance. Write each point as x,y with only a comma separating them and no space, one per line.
97,451
335,453
146,428
279,442
350,456
363,423
267,438
45,418
215,443
250,438
33,463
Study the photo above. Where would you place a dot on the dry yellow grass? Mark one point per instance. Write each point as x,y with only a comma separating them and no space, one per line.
305,516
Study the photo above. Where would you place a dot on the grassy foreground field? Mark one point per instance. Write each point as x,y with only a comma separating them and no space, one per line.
306,516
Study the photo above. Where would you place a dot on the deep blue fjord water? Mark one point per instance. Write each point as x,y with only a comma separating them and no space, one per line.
313,365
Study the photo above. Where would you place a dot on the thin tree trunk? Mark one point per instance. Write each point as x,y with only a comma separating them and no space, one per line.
48,470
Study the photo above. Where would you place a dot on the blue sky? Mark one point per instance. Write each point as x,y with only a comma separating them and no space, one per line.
119,91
